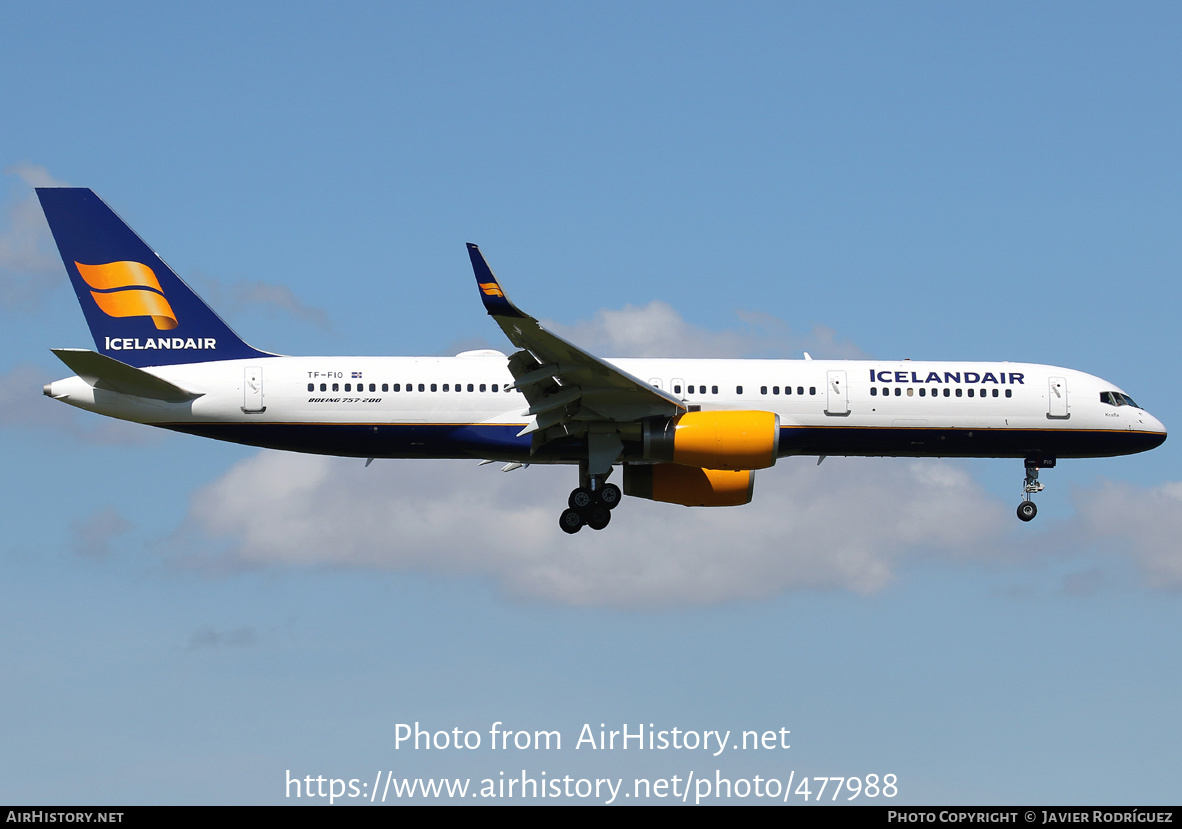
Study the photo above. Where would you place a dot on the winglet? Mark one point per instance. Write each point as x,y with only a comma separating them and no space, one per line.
495,301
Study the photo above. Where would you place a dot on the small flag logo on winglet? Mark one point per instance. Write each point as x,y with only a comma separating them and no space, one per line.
128,289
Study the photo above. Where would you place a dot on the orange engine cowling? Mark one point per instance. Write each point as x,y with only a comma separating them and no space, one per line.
689,486
715,440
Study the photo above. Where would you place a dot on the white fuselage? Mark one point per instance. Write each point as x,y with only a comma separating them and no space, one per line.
465,406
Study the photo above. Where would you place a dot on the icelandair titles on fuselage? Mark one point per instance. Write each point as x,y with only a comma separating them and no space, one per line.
1014,378
171,343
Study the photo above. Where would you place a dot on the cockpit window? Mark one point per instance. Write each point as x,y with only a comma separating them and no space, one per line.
1116,398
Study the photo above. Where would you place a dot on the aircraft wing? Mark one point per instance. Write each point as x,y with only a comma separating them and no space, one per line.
570,391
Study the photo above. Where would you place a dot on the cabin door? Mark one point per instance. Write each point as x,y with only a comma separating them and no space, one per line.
252,390
1057,398
837,401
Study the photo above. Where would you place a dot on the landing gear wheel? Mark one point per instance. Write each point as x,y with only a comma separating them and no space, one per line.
580,499
1027,510
570,521
610,496
599,518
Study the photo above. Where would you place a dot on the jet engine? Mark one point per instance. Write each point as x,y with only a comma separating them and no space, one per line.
715,440
689,486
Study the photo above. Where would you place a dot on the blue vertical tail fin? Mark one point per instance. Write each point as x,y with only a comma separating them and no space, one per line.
139,311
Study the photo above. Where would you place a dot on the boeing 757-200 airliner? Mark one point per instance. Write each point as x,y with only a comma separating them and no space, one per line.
688,432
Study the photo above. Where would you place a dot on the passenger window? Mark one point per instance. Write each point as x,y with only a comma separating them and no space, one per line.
970,392
311,387
494,386
1009,392
738,389
714,389
787,389
923,392
995,392
336,386
959,392
324,387
677,389
874,391
347,387
763,389
435,387
701,389
775,389
800,390
898,391
911,392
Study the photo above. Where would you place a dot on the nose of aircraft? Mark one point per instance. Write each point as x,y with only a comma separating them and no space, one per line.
1152,425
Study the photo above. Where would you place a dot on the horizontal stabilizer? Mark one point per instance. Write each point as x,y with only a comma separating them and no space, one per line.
107,373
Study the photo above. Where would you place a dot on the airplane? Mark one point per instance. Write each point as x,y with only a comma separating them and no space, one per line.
683,431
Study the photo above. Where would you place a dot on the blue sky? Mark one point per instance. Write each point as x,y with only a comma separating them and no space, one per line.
185,621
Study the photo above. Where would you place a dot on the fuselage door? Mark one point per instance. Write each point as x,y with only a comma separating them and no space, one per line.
837,400
252,390
1057,405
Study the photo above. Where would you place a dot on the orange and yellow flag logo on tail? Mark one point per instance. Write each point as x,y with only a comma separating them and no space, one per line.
128,289
491,288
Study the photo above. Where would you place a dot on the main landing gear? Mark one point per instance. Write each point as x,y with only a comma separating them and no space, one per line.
591,505
1027,510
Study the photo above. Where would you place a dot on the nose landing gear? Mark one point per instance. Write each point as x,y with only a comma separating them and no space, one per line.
1027,509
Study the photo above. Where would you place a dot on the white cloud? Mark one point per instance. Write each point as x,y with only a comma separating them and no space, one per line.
232,297
29,265
845,524
657,330
94,535
1144,523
